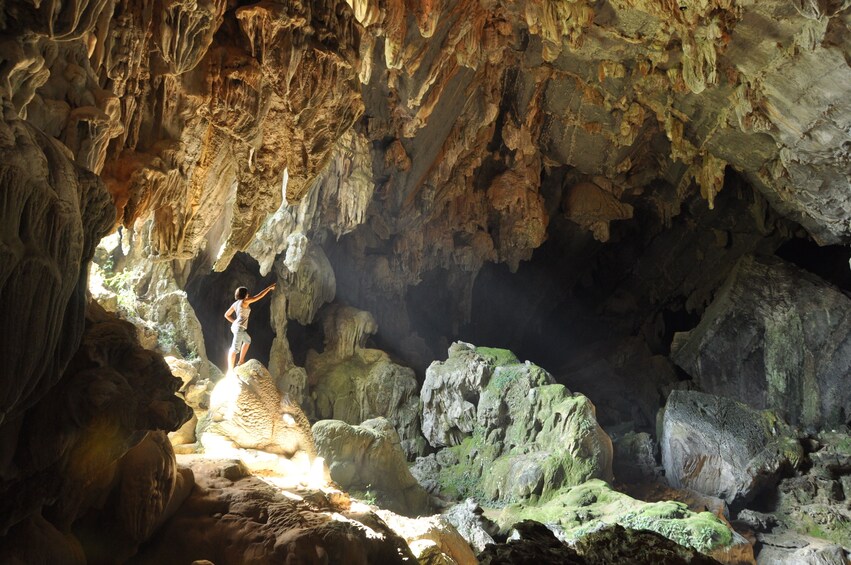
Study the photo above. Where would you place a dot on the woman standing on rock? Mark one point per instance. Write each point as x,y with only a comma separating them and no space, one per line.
237,315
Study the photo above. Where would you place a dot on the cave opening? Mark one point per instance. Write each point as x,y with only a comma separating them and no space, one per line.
211,293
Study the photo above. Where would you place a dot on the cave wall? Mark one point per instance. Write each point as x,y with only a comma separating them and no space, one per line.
412,143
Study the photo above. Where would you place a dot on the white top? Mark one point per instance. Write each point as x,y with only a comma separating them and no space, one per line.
242,313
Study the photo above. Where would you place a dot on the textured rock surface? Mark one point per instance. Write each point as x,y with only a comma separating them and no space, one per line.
352,383
779,338
233,517
529,437
71,447
432,539
471,524
369,457
534,543
723,448
53,214
578,511
248,412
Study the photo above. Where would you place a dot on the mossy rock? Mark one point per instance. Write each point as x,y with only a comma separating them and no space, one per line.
593,505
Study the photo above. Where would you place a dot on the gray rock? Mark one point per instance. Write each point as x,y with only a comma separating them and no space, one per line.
370,457
450,389
791,549
468,519
757,521
723,448
634,458
778,337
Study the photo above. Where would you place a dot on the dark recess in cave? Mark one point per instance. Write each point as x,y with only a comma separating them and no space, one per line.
830,262
212,294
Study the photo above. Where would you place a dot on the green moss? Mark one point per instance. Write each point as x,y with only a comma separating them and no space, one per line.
588,507
498,356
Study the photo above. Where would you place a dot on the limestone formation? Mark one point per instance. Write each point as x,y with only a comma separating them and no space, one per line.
84,439
779,338
576,512
247,412
468,519
722,448
233,517
530,437
533,543
432,539
353,383
369,457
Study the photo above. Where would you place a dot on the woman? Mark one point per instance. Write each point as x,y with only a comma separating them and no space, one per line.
237,315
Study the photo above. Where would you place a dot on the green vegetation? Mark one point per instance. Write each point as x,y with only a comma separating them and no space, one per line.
498,356
592,505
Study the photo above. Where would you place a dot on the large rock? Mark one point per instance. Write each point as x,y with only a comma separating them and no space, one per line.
467,517
449,393
529,437
247,412
432,539
370,457
532,543
232,517
576,512
723,448
777,337
353,383
95,446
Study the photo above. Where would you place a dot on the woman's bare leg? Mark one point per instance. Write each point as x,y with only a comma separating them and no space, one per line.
231,359
243,353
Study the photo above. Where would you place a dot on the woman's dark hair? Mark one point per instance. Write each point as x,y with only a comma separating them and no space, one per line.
240,293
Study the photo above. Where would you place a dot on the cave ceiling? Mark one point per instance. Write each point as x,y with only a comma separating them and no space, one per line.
442,134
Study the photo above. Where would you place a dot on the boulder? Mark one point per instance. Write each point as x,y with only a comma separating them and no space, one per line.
576,512
778,337
353,383
233,517
247,412
370,457
467,517
723,448
432,539
529,437
450,391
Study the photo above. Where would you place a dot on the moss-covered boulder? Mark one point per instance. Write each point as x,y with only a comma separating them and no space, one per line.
529,437
581,510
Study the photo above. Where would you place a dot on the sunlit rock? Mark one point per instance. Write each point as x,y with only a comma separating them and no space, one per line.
723,448
247,412
432,539
369,457
233,517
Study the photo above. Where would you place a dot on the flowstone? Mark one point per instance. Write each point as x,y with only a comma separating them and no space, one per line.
353,383
251,420
529,438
